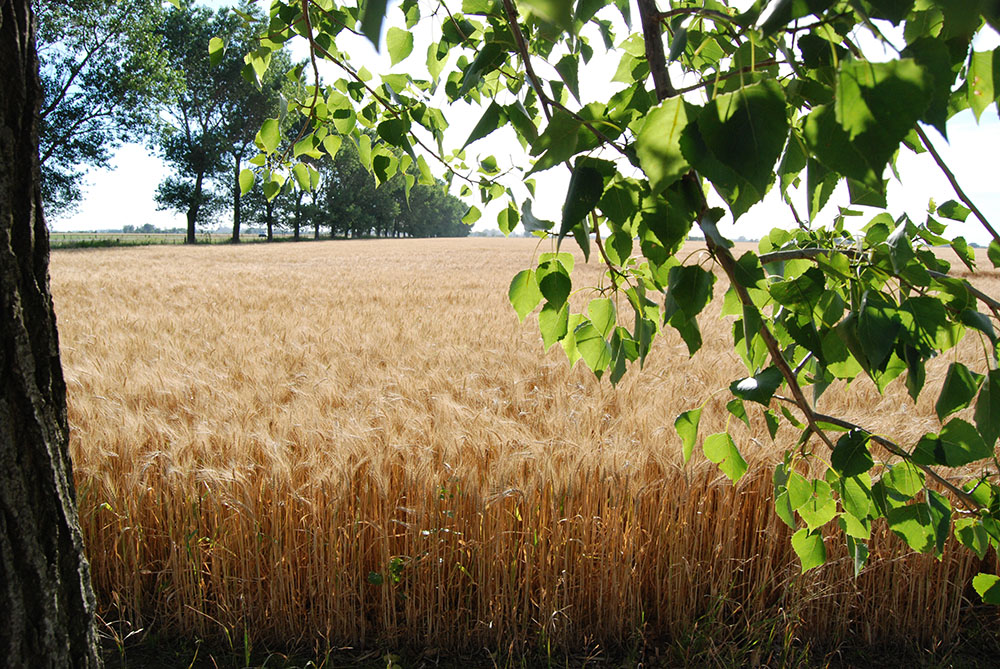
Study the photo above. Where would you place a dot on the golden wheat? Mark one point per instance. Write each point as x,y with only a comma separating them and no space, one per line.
357,443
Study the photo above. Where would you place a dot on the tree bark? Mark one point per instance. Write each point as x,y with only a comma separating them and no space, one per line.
236,198
46,599
192,215
269,218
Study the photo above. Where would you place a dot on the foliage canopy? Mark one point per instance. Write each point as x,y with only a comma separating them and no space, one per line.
793,95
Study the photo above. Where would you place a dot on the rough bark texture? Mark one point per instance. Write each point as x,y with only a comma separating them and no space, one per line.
192,214
237,221
46,602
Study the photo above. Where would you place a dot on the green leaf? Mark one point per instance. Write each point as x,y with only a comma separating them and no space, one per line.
554,282
858,550
332,144
720,449
856,495
850,457
987,414
953,210
556,12
876,105
914,525
904,478
960,386
586,185
958,444
247,178
270,135
658,143
568,69
593,348
736,408
773,422
971,534
689,289
820,507
686,426
568,342
810,549
800,491
216,49
993,253
602,314
271,189
372,15
472,215
399,42
490,121
988,587
981,86
736,140
557,143
507,220
524,293
553,322
301,174
759,388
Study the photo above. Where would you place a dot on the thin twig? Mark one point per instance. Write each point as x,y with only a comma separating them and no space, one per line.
954,183
897,450
522,49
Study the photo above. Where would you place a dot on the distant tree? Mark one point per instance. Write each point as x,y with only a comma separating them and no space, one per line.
215,116
246,106
104,75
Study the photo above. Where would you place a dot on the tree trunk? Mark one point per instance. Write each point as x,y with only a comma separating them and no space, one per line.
192,215
236,198
269,214
316,229
298,213
46,600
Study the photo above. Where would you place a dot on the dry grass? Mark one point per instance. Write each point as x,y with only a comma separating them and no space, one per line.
263,434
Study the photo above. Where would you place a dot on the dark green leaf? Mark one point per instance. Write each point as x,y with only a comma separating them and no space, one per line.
586,185
488,122
993,253
958,444
850,457
372,15
960,386
759,388
554,282
987,414
689,289
736,408
736,140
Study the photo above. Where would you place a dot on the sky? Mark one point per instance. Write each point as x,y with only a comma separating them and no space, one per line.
124,194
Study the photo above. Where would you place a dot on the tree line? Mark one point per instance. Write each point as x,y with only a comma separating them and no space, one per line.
134,71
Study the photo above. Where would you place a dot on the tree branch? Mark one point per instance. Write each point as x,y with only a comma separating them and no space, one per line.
897,450
954,182
522,49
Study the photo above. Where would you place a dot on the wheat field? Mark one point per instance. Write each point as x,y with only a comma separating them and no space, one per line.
356,443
